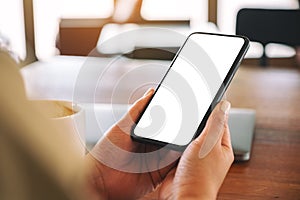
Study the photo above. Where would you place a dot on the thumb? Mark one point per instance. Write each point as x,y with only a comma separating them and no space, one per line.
136,109
214,128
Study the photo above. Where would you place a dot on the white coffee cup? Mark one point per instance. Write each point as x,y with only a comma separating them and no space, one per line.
69,119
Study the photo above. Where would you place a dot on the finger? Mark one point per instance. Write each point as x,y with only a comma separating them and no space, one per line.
140,104
215,128
149,91
215,118
226,140
134,112
226,144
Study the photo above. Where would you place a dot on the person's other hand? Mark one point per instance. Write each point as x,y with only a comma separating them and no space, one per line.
204,164
119,168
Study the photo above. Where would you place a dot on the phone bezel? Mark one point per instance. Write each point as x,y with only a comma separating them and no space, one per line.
216,99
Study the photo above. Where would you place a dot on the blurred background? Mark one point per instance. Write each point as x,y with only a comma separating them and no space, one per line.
73,27
60,34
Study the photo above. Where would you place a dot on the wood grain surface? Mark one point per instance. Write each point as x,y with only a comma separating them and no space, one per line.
273,171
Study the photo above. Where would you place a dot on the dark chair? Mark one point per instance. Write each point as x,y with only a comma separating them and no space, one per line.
269,26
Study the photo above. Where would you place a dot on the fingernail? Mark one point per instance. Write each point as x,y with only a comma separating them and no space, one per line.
148,92
225,107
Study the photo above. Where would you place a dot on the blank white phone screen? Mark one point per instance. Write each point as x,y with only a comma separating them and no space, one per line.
185,94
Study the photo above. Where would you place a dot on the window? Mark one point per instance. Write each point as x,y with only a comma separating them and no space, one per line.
195,10
12,25
47,15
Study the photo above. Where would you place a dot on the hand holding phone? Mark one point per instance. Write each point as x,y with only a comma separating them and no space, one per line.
196,80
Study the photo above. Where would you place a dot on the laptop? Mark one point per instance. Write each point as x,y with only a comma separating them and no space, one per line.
100,117
241,123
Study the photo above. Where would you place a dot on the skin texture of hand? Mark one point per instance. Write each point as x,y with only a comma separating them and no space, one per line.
115,173
206,161
199,174
204,164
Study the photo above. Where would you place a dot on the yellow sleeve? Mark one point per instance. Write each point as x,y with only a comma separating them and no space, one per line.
36,160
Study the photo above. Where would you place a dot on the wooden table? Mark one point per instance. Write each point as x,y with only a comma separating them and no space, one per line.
274,168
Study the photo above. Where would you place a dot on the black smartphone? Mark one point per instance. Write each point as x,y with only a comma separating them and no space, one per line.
195,82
